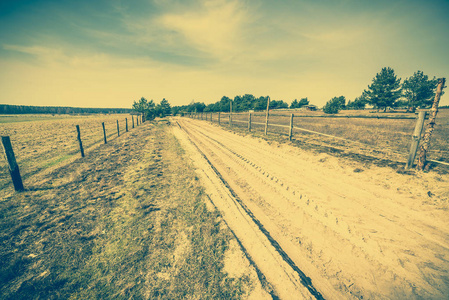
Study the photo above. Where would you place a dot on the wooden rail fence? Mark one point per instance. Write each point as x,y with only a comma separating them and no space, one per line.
416,136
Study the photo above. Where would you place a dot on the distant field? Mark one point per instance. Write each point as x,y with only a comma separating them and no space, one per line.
30,118
377,137
42,141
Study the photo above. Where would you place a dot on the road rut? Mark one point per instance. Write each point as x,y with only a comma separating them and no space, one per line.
345,234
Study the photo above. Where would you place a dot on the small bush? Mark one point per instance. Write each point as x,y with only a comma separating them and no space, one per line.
334,105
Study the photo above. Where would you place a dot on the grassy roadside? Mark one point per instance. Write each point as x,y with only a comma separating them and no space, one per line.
315,144
129,221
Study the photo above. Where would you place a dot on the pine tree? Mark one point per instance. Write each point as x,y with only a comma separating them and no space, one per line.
145,107
301,103
164,108
334,105
385,89
419,90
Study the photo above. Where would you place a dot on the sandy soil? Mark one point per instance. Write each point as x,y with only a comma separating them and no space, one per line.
356,230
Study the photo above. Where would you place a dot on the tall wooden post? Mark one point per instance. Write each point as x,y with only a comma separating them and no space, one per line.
12,164
249,121
104,133
290,134
137,120
230,113
126,122
79,140
218,118
266,119
132,118
430,127
118,129
416,138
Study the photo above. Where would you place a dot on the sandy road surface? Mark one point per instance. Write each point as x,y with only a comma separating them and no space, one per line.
355,231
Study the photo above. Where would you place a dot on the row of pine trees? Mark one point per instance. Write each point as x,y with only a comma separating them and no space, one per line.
386,91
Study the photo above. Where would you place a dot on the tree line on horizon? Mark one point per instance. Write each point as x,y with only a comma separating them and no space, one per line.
239,103
151,110
8,109
386,91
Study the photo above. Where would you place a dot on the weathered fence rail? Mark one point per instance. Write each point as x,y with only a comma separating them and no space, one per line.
239,118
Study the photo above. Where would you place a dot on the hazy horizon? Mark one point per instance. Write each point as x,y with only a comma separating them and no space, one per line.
107,54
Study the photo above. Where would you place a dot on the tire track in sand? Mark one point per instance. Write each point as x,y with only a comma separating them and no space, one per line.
286,289
351,231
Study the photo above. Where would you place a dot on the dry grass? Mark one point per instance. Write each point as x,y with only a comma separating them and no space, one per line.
128,221
43,141
381,138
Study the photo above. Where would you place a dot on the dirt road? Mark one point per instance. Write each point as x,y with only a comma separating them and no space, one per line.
321,227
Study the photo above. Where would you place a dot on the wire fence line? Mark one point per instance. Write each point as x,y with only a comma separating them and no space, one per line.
39,145
389,135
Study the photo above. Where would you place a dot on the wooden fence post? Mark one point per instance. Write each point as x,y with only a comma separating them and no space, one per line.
249,122
290,134
266,119
118,129
132,118
218,118
12,163
79,140
230,113
104,133
137,120
126,122
430,127
415,138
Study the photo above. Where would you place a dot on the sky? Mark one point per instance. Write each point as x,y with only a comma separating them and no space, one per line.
109,53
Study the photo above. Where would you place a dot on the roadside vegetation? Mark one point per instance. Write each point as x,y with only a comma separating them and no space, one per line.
386,91
128,221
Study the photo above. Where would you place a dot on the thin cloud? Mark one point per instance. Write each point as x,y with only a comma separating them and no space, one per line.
215,28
